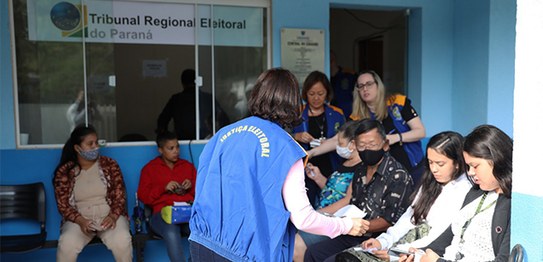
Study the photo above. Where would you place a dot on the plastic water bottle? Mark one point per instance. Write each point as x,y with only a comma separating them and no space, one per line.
138,216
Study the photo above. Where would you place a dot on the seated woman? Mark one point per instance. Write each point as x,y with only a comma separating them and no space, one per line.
481,229
439,197
164,180
335,187
90,194
320,122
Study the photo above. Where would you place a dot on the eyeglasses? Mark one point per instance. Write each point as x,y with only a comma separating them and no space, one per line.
367,85
373,146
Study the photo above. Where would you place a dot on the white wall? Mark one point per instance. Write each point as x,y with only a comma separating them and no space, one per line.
527,221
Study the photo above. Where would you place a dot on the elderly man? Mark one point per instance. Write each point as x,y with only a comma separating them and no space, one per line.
381,188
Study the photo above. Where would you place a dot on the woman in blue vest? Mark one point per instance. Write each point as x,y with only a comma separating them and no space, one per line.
320,121
250,191
402,123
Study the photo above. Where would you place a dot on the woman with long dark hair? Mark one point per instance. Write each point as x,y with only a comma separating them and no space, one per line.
91,198
481,229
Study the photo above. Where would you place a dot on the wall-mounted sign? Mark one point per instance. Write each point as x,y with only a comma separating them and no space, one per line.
302,51
143,23
155,68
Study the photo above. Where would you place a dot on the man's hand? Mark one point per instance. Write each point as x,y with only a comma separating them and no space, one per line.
172,186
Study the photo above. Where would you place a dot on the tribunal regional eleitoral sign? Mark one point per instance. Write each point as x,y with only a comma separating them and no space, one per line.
100,21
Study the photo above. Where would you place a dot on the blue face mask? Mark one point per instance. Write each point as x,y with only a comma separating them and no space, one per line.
91,154
344,152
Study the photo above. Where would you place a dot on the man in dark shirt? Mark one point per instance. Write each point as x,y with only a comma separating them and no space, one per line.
182,108
381,188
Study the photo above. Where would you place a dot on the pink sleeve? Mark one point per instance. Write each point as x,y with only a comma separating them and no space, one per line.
302,214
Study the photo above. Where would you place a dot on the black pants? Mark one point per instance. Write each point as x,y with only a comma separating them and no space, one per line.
326,250
202,253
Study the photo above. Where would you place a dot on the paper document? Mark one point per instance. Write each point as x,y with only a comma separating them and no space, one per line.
177,204
350,211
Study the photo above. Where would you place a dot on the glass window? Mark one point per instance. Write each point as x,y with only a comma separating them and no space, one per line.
120,66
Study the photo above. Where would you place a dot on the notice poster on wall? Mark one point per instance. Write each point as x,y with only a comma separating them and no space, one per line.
302,51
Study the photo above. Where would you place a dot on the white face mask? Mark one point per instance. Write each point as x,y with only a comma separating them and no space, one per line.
344,152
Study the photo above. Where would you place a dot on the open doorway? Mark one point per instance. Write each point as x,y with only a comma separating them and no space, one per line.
371,39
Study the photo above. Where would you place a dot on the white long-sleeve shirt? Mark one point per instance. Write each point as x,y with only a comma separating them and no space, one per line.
447,204
302,214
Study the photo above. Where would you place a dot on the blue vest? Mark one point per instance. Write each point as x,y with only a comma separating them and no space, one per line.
334,120
238,211
413,149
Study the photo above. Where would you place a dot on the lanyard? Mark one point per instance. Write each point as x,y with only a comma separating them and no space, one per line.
468,222
320,124
479,210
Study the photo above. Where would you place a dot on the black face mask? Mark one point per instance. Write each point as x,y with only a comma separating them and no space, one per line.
371,157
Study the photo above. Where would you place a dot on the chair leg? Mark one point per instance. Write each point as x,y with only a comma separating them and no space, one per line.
139,245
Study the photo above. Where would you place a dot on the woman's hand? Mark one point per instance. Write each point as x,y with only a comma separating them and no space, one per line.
374,246
303,137
313,172
85,225
406,258
108,223
360,227
382,254
371,243
172,186
430,256
393,138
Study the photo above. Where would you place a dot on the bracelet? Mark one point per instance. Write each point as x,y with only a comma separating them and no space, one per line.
401,140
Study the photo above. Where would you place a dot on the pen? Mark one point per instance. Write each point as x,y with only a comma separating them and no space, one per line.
391,131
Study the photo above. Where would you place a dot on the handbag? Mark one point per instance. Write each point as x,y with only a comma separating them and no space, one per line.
176,214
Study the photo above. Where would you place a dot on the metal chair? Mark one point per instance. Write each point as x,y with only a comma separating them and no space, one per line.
517,254
23,202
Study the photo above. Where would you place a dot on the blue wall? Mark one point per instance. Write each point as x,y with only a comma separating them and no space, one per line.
29,166
470,64
7,119
527,224
501,64
484,59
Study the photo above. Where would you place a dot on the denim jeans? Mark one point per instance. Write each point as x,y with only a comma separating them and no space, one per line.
202,253
171,234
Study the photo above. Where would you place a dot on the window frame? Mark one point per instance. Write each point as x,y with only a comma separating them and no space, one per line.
265,4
